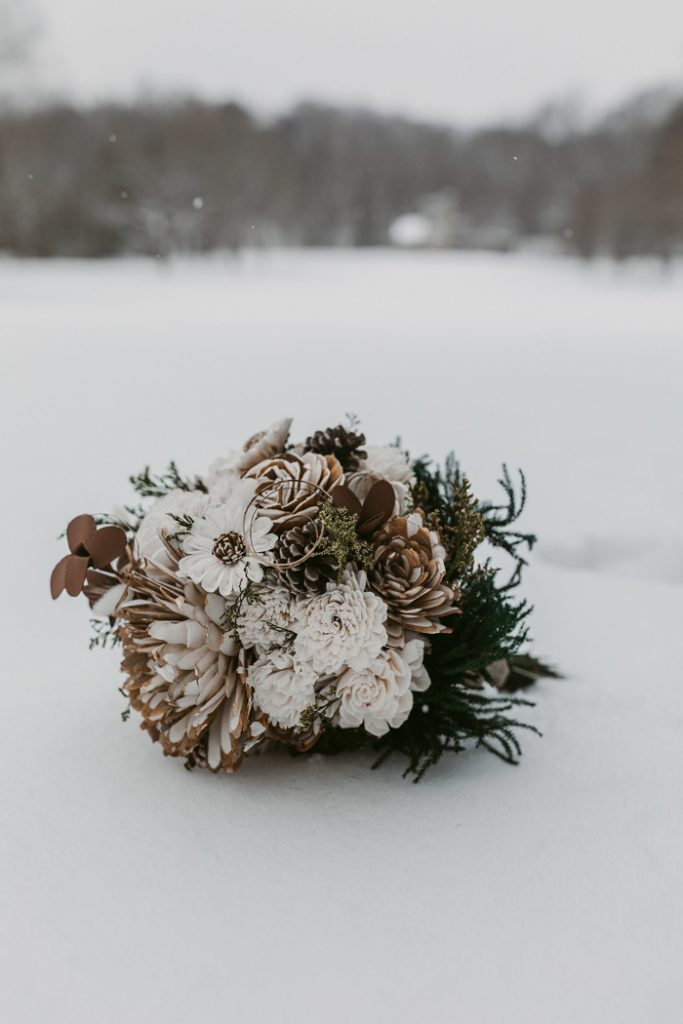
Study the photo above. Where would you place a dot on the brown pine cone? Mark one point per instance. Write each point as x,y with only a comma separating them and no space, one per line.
309,576
340,442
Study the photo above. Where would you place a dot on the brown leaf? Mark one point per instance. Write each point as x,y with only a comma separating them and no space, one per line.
58,577
105,545
345,498
76,568
378,507
78,531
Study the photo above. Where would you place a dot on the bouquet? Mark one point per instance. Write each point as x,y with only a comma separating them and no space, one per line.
320,596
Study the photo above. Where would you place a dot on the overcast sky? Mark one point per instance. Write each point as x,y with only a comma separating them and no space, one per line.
461,61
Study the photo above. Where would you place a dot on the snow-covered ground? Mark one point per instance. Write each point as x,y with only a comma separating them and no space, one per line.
300,891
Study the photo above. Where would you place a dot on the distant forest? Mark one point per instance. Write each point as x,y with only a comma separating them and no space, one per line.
164,177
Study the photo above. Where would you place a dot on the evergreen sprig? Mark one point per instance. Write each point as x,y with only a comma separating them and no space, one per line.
456,710
149,485
104,634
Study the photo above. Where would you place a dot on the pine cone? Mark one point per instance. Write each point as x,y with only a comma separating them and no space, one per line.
338,441
408,573
309,576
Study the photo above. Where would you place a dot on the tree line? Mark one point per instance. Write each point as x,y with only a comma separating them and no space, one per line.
161,177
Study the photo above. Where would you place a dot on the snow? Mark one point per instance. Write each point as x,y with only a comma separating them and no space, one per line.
302,890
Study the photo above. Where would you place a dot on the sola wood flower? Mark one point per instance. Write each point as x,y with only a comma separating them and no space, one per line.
344,626
291,487
379,697
283,687
263,445
223,548
91,548
408,572
186,675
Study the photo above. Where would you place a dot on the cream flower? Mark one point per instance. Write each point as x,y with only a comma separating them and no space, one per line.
148,542
283,687
264,623
342,627
390,462
223,473
378,697
185,674
222,548
291,487
264,445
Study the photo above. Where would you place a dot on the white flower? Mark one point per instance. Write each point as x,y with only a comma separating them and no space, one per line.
390,462
263,623
222,475
344,626
222,548
379,697
148,542
283,687
224,471
265,444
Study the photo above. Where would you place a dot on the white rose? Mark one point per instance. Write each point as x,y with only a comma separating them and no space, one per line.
379,697
390,462
283,687
342,627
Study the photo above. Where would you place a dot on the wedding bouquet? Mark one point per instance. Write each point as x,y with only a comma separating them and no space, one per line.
320,596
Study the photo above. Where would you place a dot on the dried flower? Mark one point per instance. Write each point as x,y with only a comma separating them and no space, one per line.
344,626
223,547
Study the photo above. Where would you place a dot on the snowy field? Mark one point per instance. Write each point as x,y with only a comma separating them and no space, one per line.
304,891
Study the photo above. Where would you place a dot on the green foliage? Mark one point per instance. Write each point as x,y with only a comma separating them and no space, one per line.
453,711
184,524
104,634
444,496
456,711
148,485
248,594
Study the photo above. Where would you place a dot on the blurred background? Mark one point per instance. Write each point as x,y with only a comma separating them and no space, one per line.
158,128
461,223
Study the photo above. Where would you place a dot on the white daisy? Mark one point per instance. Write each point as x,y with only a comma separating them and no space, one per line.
223,547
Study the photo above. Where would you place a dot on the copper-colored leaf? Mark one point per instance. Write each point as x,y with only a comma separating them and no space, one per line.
76,568
345,498
377,507
58,577
107,544
78,531
366,527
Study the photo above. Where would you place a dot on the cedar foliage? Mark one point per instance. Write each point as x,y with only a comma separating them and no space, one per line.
455,711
